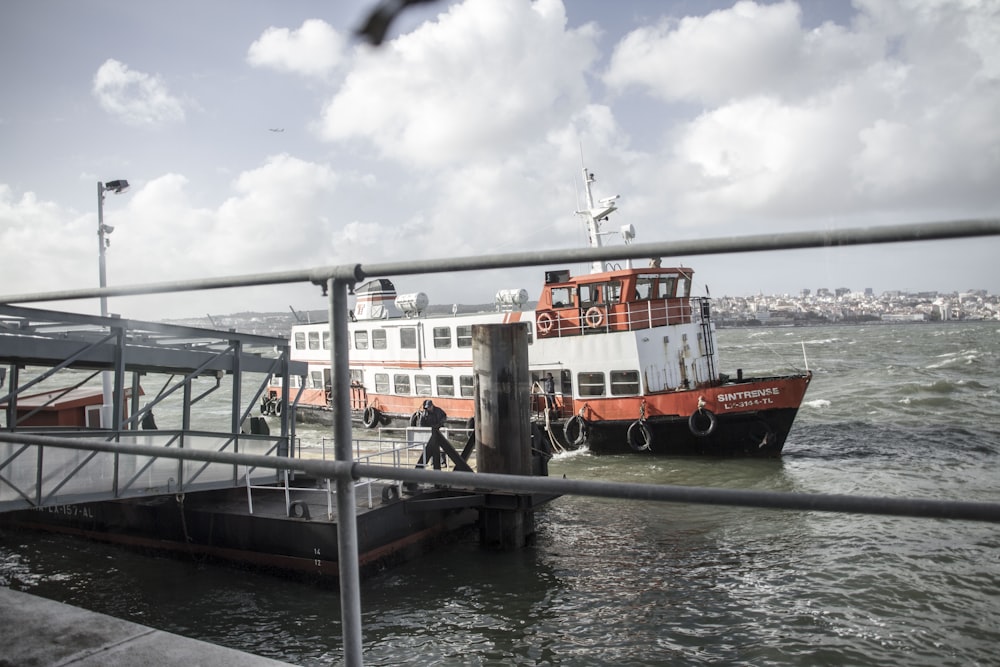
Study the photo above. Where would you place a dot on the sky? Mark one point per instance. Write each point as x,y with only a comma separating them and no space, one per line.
265,136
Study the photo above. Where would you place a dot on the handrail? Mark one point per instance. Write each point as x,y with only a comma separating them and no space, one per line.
924,508
353,273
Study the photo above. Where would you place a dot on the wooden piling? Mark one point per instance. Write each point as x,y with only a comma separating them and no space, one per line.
503,425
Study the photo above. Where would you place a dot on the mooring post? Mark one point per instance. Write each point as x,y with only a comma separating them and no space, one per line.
503,425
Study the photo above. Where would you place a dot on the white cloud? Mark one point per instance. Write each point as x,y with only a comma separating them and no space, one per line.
49,241
274,220
314,50
135,97
486,78
887,114
750,49
463,136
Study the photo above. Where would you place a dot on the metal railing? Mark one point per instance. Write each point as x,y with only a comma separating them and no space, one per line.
336,282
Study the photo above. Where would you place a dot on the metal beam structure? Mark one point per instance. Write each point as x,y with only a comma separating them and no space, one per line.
56,353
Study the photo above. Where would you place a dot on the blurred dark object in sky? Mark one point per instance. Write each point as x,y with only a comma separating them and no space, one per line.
377,25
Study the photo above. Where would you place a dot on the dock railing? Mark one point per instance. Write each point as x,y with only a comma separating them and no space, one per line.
336,281
391,449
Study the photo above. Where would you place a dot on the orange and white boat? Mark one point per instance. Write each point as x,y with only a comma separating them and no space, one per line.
632,355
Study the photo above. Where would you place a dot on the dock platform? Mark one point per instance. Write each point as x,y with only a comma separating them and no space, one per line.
292,535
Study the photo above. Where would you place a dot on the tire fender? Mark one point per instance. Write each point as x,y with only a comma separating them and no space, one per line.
575,430
702,423
640,436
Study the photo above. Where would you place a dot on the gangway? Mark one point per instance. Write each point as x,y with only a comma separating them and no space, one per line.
54,354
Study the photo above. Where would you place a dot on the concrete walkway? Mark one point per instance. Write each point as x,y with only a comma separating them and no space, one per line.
40,632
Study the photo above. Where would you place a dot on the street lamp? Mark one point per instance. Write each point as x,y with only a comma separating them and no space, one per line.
103,230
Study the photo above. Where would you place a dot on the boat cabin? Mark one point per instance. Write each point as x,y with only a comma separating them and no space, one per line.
620,300
74,407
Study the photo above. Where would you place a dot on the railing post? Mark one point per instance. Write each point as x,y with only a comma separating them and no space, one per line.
347,527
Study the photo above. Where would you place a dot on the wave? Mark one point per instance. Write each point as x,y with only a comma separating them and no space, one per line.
967,357
826,341
817,403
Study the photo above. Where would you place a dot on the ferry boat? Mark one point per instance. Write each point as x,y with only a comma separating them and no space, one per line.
631,353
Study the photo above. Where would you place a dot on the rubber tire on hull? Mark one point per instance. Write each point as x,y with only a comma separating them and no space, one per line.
575,431
696,422
371,418
640,437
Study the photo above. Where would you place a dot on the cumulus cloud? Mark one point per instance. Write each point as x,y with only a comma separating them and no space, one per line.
844,119
135,97
275,219
485,77
314,50
50,242
749,49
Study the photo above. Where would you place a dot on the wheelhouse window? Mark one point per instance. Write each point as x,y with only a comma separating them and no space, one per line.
464,335
685,287
361,340
613,291
624,383
422,383
408,338
445,385
667,286
644,286
590,384
591,294
381,383
600,293
562,297
466,385
326,339
379,339
442,337
313,340
401,384
300,340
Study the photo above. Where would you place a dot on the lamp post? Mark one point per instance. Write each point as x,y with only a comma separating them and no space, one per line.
117,187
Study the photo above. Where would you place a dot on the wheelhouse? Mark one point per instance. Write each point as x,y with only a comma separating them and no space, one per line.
622,300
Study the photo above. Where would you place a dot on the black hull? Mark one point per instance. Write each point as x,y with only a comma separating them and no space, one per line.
746,434
217,526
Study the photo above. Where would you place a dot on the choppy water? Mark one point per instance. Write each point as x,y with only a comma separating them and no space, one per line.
893,411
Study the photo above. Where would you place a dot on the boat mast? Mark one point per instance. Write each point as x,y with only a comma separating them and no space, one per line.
595,215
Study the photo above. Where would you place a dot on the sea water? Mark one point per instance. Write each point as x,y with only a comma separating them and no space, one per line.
893,410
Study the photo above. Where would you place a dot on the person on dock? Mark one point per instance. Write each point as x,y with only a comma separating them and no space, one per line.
431,415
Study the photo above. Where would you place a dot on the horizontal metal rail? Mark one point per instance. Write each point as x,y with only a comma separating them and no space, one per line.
930,231
478,482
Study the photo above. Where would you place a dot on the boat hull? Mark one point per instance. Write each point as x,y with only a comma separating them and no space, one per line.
759,434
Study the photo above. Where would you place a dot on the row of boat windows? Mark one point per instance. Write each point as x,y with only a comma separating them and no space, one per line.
589,383
651,286
443,338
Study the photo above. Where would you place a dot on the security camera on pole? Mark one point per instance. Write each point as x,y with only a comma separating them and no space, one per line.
103,230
